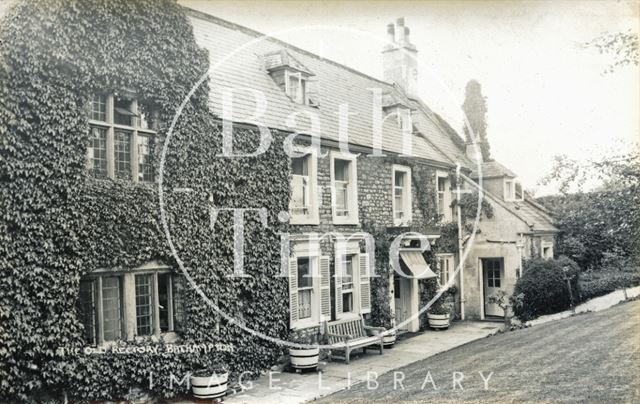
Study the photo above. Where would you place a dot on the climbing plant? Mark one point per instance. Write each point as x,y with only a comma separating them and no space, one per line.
58,223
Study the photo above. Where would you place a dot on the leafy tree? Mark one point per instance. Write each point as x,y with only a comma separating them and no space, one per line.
600,222
624,46
475,110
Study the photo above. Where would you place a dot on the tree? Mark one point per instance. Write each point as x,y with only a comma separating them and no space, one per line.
475,110
602,221
624,46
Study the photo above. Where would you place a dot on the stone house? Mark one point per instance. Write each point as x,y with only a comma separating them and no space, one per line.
366,152
334,191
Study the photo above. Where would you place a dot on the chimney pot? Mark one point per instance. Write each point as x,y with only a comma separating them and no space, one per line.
406,33
400,22
391,33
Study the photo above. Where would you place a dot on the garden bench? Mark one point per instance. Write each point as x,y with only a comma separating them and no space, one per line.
347,335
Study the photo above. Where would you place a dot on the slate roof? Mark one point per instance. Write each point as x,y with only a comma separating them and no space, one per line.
237,61
493,169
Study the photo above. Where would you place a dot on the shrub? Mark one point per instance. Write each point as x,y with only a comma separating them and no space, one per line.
545,288
599,283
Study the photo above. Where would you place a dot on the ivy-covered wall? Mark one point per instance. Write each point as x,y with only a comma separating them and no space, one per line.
59,224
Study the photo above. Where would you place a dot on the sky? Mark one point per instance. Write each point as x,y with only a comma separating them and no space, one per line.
546,92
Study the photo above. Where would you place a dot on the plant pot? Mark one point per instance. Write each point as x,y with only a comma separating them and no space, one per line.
438,321
210,386
304,358
389,340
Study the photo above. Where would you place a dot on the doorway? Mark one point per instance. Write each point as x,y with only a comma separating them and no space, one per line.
493,281
402,301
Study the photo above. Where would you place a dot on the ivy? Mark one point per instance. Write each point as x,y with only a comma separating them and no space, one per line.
59,224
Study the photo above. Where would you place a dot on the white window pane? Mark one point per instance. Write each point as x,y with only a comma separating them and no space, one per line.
111,308
144,312
305,279
300,194
304,303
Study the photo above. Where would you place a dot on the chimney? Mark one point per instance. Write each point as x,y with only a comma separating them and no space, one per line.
399,59
473,152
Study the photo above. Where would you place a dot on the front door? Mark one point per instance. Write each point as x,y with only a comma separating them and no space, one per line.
493,274
400,297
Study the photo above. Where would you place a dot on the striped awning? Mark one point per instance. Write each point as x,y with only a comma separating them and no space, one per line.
417,265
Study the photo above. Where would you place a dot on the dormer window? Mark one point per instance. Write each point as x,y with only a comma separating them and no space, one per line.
404,119
513,190
290,75
296,87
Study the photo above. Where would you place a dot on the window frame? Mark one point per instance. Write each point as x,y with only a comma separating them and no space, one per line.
512,196
312,217
445,211
128,304
134,130
311,251
445,273
352,189
407,200
302,94
342,250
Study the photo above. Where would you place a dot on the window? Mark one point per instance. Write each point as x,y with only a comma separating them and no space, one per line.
296,87
300,186
444,197
401,195
547,249
153,296
123,154
143,305
303,206
513,190
99,108
445,266
493,272
98,152
145,168
348,282
121,144
344,188
305,288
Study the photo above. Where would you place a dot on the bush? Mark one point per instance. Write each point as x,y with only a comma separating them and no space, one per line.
599,283
545,288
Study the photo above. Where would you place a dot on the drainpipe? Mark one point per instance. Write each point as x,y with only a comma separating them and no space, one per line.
460,254
520,247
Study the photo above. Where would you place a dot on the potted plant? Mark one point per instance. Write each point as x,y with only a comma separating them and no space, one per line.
304,357
389,335
506,303
210,382
439,313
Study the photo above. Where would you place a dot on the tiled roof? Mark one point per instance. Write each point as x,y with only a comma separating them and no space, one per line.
237,61
528,211
492,169
282,58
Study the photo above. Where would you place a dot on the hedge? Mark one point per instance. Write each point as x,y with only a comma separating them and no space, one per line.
545,288
599,283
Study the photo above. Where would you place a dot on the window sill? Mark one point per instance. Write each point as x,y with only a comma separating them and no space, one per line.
402,223
306,323
310,219
345,220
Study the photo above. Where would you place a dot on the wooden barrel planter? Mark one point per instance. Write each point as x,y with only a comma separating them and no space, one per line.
438,321
389,340
209,386
304,358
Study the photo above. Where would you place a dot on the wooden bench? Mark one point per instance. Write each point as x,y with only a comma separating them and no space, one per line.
347,335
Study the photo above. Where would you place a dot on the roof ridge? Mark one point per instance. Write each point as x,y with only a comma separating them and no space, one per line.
208,17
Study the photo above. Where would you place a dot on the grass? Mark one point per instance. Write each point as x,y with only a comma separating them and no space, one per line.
594,358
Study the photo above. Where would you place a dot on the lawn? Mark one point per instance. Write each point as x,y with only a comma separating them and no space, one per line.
593,357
